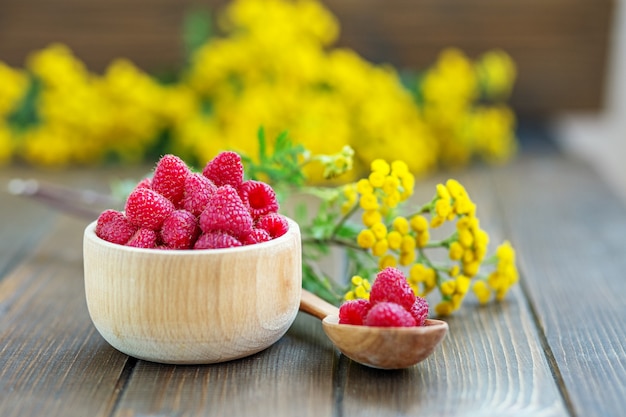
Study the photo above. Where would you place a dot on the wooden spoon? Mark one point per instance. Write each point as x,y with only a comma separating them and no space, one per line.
376,347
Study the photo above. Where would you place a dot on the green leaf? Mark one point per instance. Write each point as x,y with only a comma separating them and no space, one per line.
197,30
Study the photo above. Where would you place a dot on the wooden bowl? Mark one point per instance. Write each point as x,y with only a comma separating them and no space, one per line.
193,306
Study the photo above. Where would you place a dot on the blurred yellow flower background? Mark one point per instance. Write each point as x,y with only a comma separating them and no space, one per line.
274,66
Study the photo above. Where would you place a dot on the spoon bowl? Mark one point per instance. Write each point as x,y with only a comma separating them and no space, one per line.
376,347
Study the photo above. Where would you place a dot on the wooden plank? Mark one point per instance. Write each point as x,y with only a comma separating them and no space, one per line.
21,227
292,377
52,361
490,364
569,230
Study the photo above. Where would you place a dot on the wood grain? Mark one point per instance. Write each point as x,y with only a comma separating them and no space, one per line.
569,230
560,46
52,361
291,378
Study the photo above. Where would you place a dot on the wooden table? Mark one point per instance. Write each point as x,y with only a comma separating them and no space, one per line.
555,347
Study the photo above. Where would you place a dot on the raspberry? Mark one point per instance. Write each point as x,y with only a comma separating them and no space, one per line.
147,208
145,183
226,212
169,178
114,227
257,236
180,230
144,238
419,311
275,224
389,314
260,197
354,311
225,168
198,190
216,240
391,285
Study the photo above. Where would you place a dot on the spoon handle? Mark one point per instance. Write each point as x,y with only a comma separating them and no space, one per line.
315,306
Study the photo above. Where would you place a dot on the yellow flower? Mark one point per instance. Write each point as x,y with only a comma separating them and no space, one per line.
444,308
456,189
456,251
462,284
377,179
368,202
380,247
407,258
350,194
400,169
401,224
422,239
466,238
442,192
387,261
447,287
366,239
408,244
363,186
471,268
390,185
371,217
380,230
482,291
395,240
380,166
360,288
419,223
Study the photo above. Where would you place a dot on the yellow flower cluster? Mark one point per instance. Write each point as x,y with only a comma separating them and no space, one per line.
400,241
274,67
360,288
463,129
83,118
500,280
378,196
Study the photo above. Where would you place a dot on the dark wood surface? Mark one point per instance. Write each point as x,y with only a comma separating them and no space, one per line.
554,347
556,44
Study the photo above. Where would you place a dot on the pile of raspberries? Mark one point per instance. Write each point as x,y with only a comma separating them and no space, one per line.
178,208
392,303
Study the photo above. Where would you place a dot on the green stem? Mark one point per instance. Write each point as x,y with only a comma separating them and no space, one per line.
444,243
425,208
332,241
343,219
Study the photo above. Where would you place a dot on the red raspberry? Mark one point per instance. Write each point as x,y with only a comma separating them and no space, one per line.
260,197
147,208
419,311
216,240
391,285
389,314
180,230
169,178
225,168
226,212
145,183
144,238
275,224
354,311
198,190
257,236
114,227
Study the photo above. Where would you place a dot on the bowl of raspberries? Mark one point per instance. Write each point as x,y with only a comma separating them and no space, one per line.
198,268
